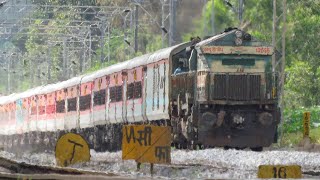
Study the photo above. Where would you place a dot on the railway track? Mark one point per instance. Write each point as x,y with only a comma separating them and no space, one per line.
10,169
193,167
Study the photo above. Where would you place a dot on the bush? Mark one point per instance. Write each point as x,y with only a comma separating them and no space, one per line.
293,118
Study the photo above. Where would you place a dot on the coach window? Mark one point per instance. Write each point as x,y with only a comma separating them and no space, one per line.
112,94
137,90
179,59
72,102
60,103
130,91
193,61
118,93
134,90
60,106
99,97
84,102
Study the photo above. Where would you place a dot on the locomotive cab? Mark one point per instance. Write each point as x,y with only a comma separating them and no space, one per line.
227,96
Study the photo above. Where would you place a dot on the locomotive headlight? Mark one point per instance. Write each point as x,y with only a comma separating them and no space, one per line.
238,34
265,119
238,41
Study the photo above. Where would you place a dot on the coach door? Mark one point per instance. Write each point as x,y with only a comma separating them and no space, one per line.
19,116
51,111
33,113
85,101
115,98
71,117
25,115
99,101
134,95
42,125
60,108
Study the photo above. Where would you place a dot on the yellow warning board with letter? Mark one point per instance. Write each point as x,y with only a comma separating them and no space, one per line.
71,149
279,171
146,143
306,124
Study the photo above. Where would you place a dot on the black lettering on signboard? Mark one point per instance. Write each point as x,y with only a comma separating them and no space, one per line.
163,153
130,135
145,136
74,148
280,173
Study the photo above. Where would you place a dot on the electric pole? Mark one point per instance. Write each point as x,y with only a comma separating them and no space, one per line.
136,16
279,64
240,11
162,22
212,18
172,31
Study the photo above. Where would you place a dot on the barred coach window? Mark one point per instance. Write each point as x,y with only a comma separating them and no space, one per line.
137,90
60,106
116,94
84,102
130,91
99,97
112,94
134,90
72,104
119,93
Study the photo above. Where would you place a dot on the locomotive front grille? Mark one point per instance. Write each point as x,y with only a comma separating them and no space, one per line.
236,87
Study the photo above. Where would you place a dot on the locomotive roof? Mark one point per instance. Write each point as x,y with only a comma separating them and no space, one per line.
214,38
135,62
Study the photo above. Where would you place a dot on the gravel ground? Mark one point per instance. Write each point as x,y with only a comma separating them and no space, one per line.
209,163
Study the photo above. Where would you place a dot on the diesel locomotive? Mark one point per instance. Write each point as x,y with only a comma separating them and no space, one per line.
220,91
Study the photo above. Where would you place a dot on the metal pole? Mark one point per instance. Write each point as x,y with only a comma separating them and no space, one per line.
102,40
31,74
274,17
90,44
49,64
240,12
38,73
283,49
212,18
172,31
136,16
108,42
8,72
82,59
64,57
162,22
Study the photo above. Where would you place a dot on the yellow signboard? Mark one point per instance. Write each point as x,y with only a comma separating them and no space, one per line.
279,171
306,124
146,143
71,149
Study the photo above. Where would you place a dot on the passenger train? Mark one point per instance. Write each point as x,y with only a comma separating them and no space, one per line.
224,95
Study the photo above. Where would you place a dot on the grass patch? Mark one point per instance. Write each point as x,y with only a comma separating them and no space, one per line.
293,139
